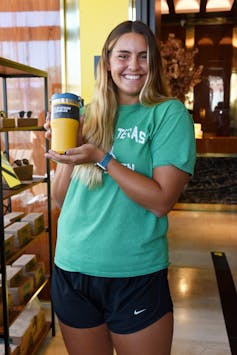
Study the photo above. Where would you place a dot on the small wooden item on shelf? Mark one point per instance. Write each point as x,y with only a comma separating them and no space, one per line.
24,172
6,122
31,268
25,119
21,231
27,122
13,348
36,221
13,216
23,169
9,244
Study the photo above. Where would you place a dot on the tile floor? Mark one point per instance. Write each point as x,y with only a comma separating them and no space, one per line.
199,323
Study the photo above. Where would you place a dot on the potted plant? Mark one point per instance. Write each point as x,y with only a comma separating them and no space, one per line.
179,67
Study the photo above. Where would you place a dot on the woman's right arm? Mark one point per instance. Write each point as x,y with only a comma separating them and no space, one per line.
61,182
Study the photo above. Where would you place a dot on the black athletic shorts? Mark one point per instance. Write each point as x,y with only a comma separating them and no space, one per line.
126,304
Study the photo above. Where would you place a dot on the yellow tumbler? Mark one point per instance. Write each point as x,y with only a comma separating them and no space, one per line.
65,115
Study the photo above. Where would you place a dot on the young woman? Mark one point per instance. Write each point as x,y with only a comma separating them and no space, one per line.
136,151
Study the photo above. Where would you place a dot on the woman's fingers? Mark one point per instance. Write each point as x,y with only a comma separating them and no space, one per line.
48,116
61,158
47,126
87,153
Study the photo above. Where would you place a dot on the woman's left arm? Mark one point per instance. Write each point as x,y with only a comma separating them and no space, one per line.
158,194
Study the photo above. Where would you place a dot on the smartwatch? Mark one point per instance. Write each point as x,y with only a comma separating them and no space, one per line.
105,161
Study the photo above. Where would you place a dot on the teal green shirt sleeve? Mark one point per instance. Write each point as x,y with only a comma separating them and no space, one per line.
173,140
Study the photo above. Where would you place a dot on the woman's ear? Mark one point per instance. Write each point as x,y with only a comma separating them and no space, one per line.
108,66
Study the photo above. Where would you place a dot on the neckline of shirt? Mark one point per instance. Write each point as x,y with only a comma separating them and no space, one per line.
129,107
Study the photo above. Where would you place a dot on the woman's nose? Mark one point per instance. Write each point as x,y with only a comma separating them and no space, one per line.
133,63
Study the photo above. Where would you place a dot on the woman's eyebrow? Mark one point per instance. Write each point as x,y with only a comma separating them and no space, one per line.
123,51
128,51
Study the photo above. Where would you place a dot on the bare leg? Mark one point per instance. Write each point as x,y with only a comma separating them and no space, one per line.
155,339
89,341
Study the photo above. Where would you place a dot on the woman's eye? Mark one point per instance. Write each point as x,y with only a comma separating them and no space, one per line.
123,56
144,56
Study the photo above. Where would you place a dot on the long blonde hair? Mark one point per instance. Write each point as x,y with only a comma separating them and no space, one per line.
100,114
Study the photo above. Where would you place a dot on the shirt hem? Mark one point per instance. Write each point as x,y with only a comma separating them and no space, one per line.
114,274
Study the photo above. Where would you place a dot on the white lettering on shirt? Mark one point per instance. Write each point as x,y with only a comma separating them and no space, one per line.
133,134
129,166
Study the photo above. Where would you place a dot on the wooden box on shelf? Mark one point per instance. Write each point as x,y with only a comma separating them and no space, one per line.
9,299
14,275
36,221
26,262
26,329
13,348
21,334
20,287
22,291
9,243
31,267
27,122
22,233
7,122
24,172
11,217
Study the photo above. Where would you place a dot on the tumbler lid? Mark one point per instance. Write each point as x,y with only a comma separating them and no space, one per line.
65,95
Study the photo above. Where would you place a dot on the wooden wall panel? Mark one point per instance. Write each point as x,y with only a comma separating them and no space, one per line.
19,34
29,5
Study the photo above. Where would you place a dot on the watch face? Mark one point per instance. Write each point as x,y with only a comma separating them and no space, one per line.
100,166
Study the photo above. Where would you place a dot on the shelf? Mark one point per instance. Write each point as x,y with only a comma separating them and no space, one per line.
11,69
18,129
41,337
19,252
44,332
7,193
35,293
16,310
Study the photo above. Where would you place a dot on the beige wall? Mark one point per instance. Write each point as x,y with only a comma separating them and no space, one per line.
97,18
85,26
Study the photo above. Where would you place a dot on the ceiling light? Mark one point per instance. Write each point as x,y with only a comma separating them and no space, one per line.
186,6
226,40
205,41
219,5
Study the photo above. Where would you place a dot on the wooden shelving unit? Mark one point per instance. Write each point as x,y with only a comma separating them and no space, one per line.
11,69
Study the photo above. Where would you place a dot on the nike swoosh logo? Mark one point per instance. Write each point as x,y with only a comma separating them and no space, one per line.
140,311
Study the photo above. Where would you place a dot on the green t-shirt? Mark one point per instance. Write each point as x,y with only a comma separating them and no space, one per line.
102,232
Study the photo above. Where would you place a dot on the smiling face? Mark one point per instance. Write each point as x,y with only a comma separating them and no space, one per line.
128,66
